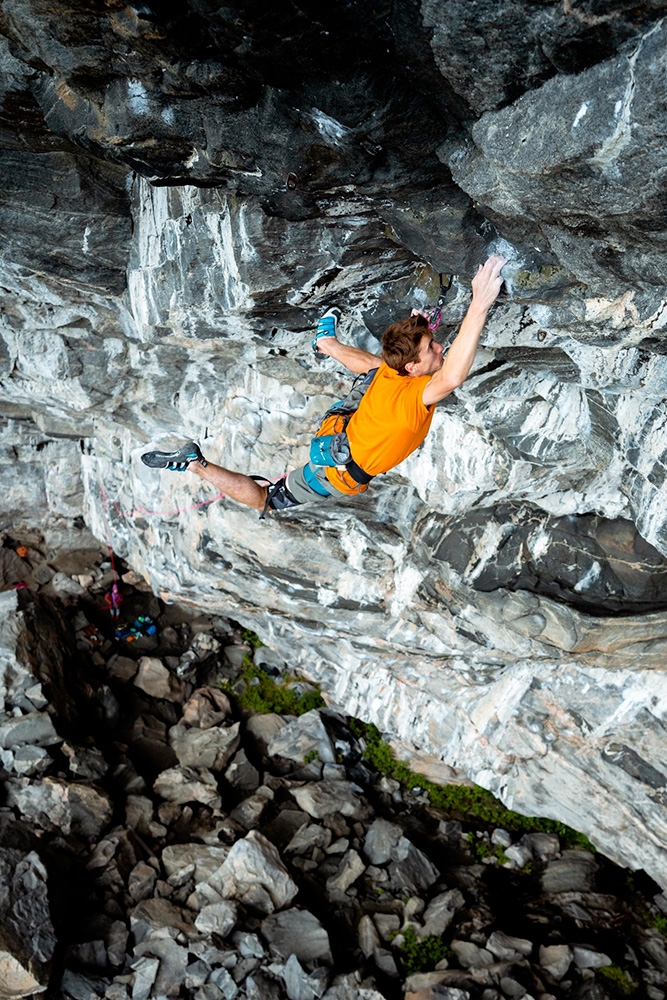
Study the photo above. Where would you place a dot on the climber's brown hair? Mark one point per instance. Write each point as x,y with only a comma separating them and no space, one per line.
401,342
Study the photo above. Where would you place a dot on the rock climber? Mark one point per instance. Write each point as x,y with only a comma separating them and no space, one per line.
382,421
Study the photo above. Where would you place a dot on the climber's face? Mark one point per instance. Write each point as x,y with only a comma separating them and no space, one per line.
430,357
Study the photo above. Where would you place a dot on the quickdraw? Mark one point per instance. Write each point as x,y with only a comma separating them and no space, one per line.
434,315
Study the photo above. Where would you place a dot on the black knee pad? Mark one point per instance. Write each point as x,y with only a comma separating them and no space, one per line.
279,497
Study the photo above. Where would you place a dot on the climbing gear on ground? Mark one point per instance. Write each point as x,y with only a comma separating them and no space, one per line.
435,315
93,635
174,461
142,625
326,327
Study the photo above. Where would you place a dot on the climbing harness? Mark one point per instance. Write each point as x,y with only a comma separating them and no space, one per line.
434,315
329,448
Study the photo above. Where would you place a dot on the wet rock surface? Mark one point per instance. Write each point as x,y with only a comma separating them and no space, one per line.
126,875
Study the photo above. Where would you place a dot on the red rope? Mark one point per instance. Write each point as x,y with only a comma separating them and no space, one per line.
160,513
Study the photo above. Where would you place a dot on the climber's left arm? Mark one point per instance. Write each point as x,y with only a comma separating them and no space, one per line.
459,359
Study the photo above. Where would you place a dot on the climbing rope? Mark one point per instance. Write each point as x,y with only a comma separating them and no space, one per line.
113,600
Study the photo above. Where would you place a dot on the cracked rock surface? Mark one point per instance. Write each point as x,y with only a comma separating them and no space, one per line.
184,190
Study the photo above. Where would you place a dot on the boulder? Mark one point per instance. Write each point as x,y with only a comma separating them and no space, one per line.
33,727
304,735
210,747
369,939
297,932
471,956
27,937
262,728
122,668
141,881
556,959
149,918
573,872
381,839
250,811
589,958
242,774
154,679
301,986
217,918
323,798
254,874
351,867
410,870
206,707
440,912
173,960
545,846
26,761
188,784
508,948
307,837
197,861
56,804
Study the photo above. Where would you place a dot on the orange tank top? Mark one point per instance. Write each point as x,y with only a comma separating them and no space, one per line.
390,423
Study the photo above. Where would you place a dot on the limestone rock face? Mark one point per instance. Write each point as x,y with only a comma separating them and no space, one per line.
184,192
592,176
522,44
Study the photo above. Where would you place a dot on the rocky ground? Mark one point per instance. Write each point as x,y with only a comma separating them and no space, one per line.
182,816
185,187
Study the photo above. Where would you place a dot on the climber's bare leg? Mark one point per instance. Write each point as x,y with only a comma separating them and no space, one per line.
233,484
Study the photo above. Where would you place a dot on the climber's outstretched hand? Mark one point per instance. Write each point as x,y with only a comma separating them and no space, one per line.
487,282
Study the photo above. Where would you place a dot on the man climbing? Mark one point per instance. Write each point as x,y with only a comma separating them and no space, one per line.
380,423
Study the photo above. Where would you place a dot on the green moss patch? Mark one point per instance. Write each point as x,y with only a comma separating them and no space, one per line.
263,694
460,799
422,954
251,638
619,981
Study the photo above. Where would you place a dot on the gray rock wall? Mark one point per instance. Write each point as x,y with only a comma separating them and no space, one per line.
464,604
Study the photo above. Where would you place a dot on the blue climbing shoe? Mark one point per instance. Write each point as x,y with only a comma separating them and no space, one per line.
175,461
326,327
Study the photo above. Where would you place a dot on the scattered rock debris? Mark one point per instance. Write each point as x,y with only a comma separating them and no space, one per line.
157,839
